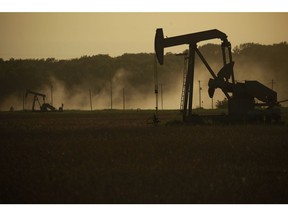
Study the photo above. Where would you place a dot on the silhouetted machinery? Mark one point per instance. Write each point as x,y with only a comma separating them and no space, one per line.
43,107
241,96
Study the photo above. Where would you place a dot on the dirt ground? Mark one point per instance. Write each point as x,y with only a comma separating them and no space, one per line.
116,157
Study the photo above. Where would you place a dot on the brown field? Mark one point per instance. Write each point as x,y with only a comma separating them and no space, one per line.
116,157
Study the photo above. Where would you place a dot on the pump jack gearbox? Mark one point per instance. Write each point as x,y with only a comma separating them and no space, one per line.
241,96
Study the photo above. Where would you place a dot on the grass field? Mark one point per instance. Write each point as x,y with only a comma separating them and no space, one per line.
116,157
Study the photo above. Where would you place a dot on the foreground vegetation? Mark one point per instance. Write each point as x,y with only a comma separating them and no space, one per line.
116,157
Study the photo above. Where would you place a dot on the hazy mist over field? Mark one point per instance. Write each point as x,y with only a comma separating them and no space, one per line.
135,73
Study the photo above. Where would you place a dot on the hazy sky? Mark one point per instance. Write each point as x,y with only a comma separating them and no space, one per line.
72,35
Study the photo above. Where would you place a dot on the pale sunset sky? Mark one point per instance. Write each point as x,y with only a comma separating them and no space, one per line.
72,35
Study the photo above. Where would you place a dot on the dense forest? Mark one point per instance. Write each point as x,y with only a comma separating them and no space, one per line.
72,79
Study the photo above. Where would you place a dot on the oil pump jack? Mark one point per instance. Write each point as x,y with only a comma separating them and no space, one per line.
43,107
241,96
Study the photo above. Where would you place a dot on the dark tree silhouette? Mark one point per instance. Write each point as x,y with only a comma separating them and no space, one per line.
16,75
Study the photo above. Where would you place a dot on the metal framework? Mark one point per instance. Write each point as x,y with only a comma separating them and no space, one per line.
241,96
192,40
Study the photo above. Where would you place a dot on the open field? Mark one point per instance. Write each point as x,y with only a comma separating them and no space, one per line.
116,157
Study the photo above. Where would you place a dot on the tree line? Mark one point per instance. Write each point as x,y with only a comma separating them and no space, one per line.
94,72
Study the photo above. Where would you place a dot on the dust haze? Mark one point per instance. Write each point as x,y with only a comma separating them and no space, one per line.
131,76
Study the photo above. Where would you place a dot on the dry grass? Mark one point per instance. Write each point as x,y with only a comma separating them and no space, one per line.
115,157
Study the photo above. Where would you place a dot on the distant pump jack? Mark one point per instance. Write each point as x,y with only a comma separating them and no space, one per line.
43,106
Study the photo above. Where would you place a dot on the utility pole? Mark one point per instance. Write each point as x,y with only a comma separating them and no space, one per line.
90,99
123,98
23,101
52,95
161,96
199,94
111,93
156,86
212,103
